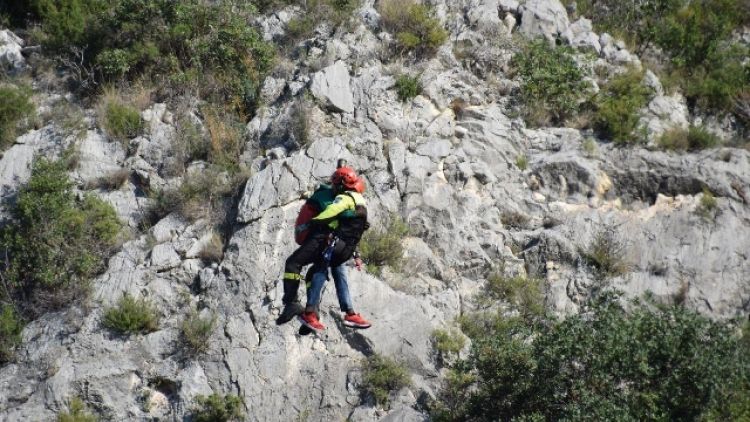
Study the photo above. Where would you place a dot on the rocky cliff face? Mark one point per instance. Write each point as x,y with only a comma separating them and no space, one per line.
450,173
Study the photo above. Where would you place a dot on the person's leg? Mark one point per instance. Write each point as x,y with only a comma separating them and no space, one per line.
304,255
315,284
316,280
351,319
342,289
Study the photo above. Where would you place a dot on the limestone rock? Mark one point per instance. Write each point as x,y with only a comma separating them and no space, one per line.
547,18
11,59
331,86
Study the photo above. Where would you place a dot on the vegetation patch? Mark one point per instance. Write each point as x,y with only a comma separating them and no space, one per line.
708,205
607,253
16,110
192,46
382,246
648,362
381,375
55,243
202,194
120,120
408,87
413,25
552,84
10,332
526,295
216,408
703,57
693,139
617,107
131,316
448,342
196,331
77,412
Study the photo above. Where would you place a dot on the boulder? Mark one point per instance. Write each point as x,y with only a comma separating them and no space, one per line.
331,86
545,18
11,59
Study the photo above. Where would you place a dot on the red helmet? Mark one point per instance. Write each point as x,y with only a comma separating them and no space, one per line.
346,177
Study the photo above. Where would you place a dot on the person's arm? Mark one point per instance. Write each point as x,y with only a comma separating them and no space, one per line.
331,212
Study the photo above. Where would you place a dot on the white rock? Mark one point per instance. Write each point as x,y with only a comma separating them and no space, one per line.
11,59
164,257
547,18
331,85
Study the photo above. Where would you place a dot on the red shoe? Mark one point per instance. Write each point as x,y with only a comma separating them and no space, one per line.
310,320
356,321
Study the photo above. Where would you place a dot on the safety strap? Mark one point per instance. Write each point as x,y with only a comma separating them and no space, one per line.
292,276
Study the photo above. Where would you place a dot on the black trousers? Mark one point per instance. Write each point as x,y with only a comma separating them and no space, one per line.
308,253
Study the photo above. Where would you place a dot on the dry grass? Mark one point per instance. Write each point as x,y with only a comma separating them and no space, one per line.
109,182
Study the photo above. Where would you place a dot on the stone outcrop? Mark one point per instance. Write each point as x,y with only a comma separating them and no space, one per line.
446,162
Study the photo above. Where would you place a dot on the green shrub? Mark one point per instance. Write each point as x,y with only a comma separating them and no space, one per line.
526,295
10,332
76,413
380,247
196,331
448,342
216,408
617,107
120,120
647,363
201,194
381,375
15,110
707,205
413,25
694,138
408,87
55,244
552,85
697,36
191,46
131,316
607,253
522,162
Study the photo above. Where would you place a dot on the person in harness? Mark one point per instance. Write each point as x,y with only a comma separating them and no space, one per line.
313,234
341,247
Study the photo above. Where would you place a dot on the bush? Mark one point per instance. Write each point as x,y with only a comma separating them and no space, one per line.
552,85
190,46
694,138
118,119
413,26
408,87
617,107
697,37
196,331
708,205
526,295
16,110
131,316
606,253
448,342
522,162
380,247
76,413
216,408
55,243
10,332
203,194
649,363
382,375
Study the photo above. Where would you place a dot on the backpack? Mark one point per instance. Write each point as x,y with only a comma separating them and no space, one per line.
320,199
